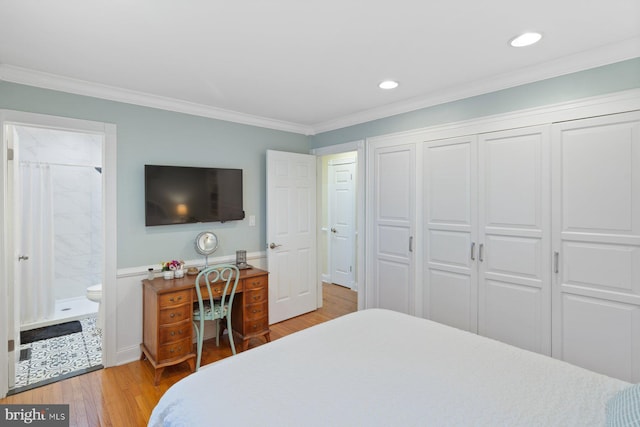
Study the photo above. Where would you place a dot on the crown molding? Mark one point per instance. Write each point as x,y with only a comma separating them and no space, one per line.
13,74
604,55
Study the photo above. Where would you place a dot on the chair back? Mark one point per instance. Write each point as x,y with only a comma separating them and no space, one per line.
221,282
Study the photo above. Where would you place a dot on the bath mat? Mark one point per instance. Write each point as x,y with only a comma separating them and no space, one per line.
52,331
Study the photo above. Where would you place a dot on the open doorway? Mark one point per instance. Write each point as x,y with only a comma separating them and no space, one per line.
56,194
339,222
341,208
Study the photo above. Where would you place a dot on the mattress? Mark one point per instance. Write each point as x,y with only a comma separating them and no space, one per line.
382,368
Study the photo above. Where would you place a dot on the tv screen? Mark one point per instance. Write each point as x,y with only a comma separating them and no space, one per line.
182,195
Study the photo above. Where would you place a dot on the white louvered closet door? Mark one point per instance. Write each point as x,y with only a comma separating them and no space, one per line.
596,244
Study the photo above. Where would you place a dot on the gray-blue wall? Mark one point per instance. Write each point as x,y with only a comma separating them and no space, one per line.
597,81
152,136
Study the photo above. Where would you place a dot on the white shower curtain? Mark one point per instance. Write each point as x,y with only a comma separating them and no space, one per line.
35,241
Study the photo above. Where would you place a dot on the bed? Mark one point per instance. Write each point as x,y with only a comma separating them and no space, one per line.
382,368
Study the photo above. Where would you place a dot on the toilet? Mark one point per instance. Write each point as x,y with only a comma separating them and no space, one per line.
94,293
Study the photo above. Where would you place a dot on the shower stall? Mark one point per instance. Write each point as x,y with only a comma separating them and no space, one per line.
58,194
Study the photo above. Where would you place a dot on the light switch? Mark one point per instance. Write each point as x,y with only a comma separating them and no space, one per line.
252,220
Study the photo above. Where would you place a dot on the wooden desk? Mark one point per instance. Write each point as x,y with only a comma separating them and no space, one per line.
167,306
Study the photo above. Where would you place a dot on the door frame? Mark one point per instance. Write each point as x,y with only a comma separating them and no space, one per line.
359,147
10,117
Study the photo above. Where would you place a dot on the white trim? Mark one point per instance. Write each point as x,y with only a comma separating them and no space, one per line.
337,148
110,229
582,61
11,73
198,263
4,262
627,100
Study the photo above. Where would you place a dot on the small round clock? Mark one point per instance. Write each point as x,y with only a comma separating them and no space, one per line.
206,243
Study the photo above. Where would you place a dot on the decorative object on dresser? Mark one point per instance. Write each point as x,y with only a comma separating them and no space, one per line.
172,269
241,260
206,243
168,312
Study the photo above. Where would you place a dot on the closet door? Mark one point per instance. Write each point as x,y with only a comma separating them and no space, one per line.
596,244
450,291
391,205
514,238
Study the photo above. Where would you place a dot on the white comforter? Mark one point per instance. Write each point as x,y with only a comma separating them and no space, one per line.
382,368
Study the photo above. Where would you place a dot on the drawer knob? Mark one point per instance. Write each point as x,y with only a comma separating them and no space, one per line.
256,311
172,315
256,297
172,299
173,333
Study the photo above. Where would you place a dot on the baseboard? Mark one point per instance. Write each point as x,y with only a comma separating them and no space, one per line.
326,278
128,355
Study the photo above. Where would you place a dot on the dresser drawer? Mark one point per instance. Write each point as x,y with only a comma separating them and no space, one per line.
173,350
255,296
257,325
175,332
255,282
174,298
174,315
256,311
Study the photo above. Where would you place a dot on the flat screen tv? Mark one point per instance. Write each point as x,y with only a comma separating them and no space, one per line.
182,195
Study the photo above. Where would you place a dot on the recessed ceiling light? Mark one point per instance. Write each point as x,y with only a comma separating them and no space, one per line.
388,84
526,39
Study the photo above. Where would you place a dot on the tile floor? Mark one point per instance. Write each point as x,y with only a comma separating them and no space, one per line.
61,357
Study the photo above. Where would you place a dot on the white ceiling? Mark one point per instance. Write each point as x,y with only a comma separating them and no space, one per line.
304,65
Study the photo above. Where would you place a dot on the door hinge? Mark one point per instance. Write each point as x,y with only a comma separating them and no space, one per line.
12,345
350,269
9,153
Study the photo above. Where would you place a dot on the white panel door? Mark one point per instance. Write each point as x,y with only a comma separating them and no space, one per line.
291,234
390,277
514,235
342,219
450,289
596,244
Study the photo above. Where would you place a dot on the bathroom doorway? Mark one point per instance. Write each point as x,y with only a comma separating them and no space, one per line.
341,207
58,217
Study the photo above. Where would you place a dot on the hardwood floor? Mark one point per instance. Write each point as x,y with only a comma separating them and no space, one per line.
125,395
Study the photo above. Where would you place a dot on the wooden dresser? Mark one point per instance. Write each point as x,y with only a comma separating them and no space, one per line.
167,337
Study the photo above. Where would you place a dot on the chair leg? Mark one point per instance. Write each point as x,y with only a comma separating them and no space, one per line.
198,346
230,332
217,332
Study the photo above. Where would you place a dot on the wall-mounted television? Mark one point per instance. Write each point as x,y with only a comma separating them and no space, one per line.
183,195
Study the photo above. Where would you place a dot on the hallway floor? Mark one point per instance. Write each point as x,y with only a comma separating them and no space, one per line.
58,358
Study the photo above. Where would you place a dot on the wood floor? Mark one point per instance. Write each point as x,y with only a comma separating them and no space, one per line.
125,395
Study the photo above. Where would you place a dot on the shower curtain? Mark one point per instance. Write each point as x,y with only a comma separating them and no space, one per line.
35,241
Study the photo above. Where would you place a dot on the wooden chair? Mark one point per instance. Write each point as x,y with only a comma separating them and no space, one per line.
221,282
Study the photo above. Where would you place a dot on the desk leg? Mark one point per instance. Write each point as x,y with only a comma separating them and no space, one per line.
192,364
156,379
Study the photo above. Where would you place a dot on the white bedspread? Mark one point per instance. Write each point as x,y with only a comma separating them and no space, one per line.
382,368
